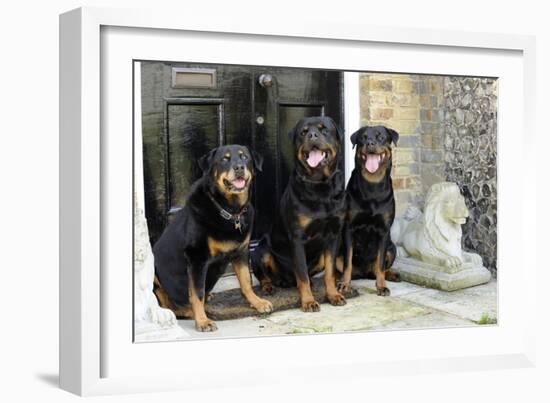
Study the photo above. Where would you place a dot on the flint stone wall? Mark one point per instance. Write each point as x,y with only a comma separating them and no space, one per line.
471,158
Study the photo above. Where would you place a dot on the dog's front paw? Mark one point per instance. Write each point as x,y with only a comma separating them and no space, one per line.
336,299
263,306
343,287
310,306
206,326
383,291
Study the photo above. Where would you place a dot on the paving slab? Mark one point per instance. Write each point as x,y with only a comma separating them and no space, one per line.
409,307
366,312
476,303
432,320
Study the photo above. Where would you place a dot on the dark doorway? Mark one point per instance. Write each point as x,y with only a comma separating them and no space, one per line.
187,109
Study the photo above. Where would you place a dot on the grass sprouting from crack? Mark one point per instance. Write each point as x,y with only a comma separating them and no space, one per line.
486,320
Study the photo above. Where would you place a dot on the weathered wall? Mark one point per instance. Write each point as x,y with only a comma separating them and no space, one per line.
447,128
471,158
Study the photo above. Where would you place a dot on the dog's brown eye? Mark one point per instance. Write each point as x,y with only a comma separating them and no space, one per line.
244,157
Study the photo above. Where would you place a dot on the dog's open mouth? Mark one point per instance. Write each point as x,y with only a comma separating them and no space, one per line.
315,157
235,185
373,161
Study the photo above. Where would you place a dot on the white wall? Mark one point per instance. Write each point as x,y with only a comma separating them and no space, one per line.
352,117
29,88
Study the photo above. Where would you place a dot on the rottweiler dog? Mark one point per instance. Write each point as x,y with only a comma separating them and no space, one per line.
212,230
305,234
368,249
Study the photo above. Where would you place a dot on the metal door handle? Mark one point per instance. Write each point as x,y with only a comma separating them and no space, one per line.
265,80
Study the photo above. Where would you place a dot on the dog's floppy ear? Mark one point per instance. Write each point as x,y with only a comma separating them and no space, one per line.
394,135
258,160
355,136
339,131
205,162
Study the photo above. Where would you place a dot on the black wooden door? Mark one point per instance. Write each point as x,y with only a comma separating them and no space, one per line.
187,109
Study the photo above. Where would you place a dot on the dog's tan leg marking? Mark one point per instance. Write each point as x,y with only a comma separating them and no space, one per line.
243,275
345,283
202,323
333,296
381,288
306,296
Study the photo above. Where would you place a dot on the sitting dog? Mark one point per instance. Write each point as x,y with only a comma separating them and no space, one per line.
304,238
368,249
212,230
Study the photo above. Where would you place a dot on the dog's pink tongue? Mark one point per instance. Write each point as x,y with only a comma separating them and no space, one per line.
239,183
372,163
314,158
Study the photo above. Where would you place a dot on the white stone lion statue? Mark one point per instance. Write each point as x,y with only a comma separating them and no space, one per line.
435,236
146,308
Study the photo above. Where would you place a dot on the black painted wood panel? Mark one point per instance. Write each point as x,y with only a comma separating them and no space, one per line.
181,124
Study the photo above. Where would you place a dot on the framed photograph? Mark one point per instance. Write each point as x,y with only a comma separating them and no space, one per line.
288,193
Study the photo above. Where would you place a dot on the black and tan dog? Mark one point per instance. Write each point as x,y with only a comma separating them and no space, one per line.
307,228
212,230
369,251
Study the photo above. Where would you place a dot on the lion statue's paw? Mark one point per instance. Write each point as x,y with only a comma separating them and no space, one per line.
453,262
163,317
473,258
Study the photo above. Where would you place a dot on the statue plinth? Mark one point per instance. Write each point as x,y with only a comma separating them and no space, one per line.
441,277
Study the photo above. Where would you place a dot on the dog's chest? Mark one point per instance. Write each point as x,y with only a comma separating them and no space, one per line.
325,227
226,248
369,221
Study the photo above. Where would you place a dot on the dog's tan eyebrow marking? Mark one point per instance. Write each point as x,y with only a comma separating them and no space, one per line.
227,155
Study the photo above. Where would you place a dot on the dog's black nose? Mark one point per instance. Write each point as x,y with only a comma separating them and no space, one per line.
239,168
371,142
313,135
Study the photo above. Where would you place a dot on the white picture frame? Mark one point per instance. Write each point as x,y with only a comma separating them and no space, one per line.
97,355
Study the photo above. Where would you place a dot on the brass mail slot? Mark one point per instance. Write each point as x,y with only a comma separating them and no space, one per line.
183,77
